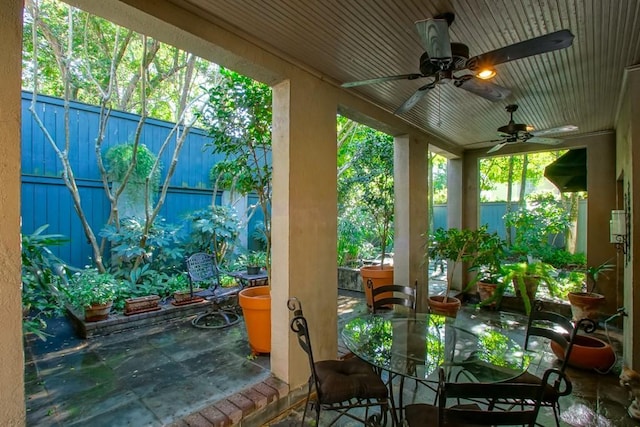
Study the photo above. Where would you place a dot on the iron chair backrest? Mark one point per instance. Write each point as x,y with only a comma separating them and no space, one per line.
202,267
401,295
468,414
299,326
557,328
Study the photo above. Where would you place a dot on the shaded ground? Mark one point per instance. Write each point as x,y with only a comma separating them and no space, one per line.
155,375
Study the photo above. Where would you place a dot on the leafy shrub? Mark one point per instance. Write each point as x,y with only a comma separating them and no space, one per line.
41,277
89,286
213,230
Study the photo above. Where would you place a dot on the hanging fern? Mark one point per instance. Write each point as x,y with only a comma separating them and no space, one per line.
119,157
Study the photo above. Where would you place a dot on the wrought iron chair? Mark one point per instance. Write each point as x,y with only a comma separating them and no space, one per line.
389,295
560,331
472,414
340,385
383,298
203,267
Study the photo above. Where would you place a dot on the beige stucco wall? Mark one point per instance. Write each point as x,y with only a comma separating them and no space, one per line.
12,407
627,163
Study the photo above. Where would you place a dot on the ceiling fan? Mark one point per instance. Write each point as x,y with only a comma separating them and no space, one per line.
514,133
444,61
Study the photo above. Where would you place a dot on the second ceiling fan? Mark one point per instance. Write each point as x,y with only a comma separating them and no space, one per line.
514,133
445,62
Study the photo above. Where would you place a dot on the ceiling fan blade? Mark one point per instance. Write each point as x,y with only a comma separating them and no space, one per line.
417,96
383,79
434,34
484,88
546,141
496,147
535,46
560,129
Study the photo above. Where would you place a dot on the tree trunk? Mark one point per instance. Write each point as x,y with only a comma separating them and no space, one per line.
509,197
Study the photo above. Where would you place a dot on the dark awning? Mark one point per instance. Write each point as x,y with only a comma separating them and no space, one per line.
569,171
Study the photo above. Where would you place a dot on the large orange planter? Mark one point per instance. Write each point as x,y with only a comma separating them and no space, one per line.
374,276
587,353
256,309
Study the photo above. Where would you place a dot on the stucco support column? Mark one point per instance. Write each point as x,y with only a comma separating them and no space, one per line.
631,186
304,223
455,203
411,215
12,405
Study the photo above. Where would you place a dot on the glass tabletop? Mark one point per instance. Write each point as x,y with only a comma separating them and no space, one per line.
417,345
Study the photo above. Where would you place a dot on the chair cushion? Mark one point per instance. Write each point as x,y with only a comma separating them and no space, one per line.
341,380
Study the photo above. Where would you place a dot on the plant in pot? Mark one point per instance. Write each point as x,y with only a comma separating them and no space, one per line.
586,302
488,269
525,277
239,113
367,184
254,261
459,246
93,292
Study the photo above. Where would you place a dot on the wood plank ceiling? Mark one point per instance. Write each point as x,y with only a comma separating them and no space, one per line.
347,40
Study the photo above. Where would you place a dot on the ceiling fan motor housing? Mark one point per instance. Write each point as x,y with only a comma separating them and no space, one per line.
459,53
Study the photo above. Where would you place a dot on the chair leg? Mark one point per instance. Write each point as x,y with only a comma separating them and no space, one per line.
306,406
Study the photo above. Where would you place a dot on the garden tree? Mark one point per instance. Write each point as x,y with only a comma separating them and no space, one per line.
504,170
98,59
365,182
238,118
105,54
437,171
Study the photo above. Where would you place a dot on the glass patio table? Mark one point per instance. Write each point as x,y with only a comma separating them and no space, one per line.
415,346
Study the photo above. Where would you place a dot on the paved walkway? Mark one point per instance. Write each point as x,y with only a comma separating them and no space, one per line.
176,374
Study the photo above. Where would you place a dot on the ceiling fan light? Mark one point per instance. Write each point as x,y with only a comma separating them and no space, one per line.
486,73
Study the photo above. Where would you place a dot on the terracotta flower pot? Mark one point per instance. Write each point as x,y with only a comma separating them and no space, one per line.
587,353
585,305
449,308
96,312
373,276
141,304
486,291
256,309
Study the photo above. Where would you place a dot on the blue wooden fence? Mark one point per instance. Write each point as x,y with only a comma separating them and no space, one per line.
46,200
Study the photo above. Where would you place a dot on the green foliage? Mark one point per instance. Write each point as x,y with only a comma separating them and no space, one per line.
367,182
253,259
119,158
494,170
483,251
213,230
354,237
593,274
89,286
131,248
41,277
518,273
537,224
238,116
97,44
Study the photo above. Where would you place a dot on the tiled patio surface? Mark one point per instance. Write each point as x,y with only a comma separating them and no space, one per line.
176,374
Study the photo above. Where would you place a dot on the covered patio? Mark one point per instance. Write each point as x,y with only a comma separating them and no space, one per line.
305,52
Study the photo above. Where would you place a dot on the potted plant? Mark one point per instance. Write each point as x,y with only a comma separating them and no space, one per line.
460,246
586,302
254,261
488,268
525,277
93,292
239,111
180,287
